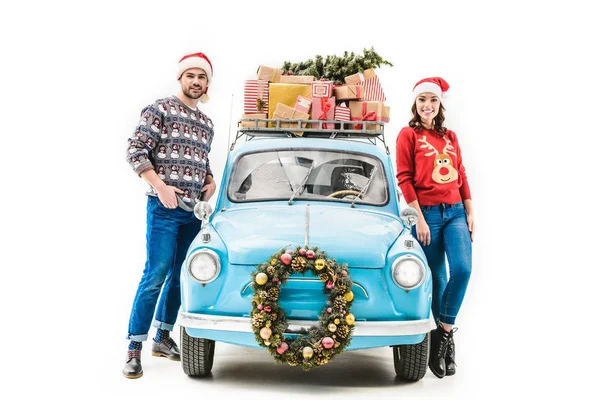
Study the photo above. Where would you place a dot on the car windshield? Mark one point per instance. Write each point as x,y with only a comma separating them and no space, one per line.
325,174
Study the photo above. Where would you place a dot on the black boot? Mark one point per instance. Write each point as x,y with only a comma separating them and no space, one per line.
439,347
450,355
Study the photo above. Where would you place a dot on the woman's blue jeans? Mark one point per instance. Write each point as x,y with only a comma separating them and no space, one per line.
169,233
451,242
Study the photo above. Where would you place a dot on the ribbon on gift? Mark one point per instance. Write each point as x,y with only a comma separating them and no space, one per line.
260,103
366,116
325,107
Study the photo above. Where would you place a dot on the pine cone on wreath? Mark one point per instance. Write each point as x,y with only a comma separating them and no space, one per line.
273,294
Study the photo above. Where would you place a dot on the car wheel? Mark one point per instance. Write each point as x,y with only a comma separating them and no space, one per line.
197,354
410,360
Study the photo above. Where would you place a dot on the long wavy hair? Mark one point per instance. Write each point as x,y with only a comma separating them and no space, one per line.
438,121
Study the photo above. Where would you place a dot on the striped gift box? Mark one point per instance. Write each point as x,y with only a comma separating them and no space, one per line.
373,90
341,113
256,96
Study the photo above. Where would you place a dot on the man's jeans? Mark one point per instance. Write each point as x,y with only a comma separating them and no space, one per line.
169,233
451,239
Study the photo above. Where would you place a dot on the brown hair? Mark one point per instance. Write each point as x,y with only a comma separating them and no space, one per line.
438,121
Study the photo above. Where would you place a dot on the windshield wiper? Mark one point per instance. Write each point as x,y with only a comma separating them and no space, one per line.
303,184
364,189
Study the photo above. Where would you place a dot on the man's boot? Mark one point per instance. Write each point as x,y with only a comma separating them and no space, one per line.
437,354
450,355
133,366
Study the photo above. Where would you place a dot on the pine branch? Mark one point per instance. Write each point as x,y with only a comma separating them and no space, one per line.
336,68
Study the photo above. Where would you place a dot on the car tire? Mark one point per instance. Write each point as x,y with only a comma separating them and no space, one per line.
410,360
197,354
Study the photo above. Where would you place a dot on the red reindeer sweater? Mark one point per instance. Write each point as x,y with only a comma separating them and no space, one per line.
429,167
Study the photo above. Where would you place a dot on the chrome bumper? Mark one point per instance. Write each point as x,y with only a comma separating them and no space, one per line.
242,324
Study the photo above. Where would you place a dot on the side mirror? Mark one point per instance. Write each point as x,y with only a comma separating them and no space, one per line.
409,216
202,211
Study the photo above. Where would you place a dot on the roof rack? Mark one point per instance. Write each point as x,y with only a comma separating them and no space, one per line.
299,128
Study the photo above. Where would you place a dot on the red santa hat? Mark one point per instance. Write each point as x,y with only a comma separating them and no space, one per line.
435,85
196,60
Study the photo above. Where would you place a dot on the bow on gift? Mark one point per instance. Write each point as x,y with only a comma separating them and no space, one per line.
366,116
325,107
260,103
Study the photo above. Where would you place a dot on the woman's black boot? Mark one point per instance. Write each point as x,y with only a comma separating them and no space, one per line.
439,347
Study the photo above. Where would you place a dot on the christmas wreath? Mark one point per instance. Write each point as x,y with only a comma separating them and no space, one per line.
320,343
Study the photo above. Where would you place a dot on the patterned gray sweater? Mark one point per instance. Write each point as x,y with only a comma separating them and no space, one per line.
174,140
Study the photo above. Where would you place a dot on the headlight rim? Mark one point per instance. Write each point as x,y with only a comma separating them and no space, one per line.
211,253
411,257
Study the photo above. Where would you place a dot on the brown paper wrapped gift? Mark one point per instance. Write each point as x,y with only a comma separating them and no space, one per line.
285,112
253,124
348,92
286,93
297,79
358,78
366,111
385,114
269,74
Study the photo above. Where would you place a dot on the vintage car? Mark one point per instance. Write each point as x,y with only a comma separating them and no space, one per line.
325,202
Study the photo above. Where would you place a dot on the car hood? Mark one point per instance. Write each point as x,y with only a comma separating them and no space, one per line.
358,237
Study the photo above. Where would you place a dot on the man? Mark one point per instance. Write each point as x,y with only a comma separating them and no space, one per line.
157,144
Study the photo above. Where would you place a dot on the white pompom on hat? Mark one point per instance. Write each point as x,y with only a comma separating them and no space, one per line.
435,85
196,60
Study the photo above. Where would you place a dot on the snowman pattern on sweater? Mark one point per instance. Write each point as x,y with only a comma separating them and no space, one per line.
174,140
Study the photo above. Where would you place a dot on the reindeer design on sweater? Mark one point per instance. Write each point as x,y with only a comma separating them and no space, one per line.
443,170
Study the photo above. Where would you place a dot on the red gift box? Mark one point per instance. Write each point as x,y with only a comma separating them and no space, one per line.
323,109
256,96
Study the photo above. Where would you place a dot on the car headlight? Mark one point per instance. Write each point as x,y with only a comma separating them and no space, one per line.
408,272
204,266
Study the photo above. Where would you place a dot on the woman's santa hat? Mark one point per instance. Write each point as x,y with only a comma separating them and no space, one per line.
196,60
435,85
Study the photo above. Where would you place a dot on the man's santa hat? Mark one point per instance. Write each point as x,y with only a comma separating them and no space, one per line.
196,60
435,85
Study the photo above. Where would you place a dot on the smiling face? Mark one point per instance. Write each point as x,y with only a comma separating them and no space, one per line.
194,82
428,107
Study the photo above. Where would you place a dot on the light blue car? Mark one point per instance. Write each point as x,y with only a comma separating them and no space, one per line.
333,196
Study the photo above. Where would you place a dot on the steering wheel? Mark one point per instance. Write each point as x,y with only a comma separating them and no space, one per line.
343,193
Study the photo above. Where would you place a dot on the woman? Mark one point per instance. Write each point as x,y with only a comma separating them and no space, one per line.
432,179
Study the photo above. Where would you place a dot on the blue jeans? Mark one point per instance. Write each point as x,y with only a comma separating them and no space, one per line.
169,233
451,241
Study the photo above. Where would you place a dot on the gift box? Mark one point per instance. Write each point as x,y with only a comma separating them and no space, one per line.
287,94
373,90
322,89
285,112
341,113
323,109
303,104
256,96
358,78
297,79
385,114
366,111
348,92
269,74
253,124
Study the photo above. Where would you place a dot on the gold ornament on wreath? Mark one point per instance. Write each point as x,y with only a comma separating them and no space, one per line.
321,342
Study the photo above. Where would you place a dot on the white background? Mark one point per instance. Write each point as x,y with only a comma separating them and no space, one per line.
523,101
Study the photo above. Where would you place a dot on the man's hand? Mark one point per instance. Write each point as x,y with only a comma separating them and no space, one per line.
209,188
166,195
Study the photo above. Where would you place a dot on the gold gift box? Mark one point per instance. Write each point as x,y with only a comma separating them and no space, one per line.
287,94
